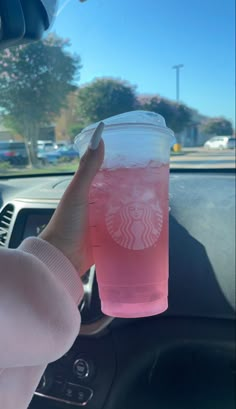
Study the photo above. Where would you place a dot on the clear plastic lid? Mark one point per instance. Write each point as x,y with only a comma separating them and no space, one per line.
134,117
129,120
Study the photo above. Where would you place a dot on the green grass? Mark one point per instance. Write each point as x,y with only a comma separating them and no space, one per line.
70,167
59,168
181,153
177,153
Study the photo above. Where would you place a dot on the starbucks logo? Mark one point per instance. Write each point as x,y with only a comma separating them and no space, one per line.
135,225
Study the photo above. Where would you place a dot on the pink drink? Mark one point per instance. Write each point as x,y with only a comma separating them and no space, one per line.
128,214
128,220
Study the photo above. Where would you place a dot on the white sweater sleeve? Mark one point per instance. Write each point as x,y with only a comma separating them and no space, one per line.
39,295
39,318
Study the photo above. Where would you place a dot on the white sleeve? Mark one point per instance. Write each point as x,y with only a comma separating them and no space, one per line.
39,295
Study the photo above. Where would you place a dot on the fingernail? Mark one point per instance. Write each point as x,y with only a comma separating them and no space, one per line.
96,138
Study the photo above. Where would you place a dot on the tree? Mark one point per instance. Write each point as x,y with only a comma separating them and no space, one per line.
103,98
67,125
35,80
181,119
75,129
177,116
218,126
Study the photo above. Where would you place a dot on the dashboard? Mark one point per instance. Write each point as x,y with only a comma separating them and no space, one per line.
113,357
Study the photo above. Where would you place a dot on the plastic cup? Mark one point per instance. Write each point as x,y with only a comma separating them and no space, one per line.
129,214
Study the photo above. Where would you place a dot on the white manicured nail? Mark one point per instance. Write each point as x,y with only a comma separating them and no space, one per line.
96,138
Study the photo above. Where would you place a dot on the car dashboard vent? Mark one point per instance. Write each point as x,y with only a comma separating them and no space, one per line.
5,221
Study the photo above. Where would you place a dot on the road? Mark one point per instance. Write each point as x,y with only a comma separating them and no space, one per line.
202,158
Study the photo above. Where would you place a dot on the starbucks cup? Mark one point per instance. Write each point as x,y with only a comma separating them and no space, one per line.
128,214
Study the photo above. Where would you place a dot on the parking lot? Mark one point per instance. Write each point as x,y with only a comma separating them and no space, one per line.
203,158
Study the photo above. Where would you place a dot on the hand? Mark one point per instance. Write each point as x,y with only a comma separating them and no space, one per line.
68,227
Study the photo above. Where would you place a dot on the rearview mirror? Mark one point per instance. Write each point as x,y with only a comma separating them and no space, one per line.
22,21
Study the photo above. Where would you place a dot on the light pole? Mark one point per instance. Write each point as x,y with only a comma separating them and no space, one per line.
177,68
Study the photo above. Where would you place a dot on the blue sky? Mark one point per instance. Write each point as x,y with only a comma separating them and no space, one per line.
140,40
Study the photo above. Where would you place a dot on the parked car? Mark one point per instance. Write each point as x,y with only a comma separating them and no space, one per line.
61,144
64,153
231,143
217,142
14,153
44,147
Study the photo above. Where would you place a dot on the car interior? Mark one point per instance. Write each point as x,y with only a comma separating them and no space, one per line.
182,358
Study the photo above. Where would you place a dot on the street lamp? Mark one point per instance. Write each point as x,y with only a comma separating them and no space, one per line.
177,68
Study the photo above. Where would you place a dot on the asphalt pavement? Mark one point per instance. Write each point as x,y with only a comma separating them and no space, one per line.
203,158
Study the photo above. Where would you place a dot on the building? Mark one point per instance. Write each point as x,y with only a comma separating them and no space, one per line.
46,133
5,134
192,135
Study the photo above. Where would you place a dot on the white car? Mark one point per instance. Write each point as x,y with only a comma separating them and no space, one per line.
217,142
46,145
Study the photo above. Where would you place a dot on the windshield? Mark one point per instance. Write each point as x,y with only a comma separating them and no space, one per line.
106,57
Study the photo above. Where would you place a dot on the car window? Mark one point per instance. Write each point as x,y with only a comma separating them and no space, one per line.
16,145
105,57
4,145
12,145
